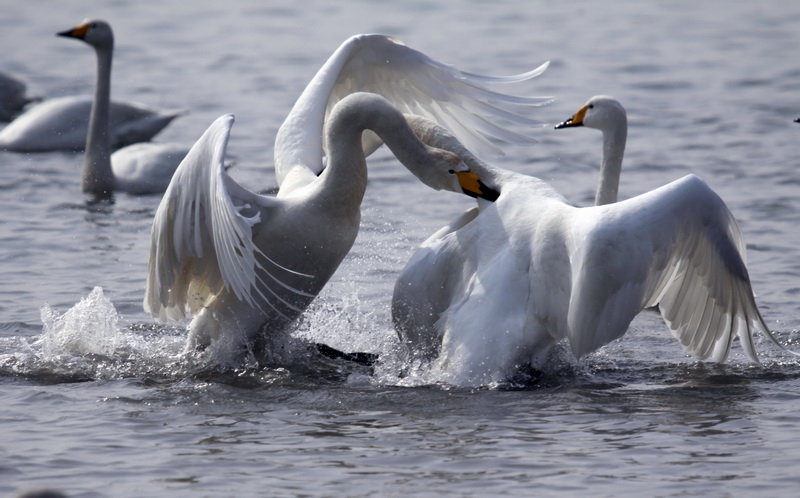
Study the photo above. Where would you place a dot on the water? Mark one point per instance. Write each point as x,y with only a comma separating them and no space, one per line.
97,400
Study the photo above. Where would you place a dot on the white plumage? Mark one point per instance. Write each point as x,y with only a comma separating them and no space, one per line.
99,125
496,289
245,266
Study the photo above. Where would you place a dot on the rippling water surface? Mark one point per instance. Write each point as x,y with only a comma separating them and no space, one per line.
97,400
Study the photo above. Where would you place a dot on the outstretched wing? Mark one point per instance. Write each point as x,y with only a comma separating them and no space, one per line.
201,239
677,247
416,84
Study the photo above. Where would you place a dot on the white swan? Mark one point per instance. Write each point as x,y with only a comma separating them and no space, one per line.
245,263
63,123
13,97
140,168
143,168
497,288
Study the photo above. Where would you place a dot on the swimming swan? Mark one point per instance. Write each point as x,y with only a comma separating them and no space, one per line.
498,287
242,263
63,123
141,168
144,168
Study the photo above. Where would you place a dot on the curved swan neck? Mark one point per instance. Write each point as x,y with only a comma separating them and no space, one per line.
614,138
345,177
98,177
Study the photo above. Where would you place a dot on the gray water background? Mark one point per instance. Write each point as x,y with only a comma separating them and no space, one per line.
100,404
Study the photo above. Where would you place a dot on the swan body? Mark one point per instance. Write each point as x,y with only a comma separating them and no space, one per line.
13,97
146,168
62,124
66,123
497,288
245,266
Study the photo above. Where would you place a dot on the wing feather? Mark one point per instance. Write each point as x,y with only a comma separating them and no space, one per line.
201,240
677,247
415,84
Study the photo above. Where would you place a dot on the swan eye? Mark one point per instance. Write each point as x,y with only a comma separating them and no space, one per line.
452,172
591,106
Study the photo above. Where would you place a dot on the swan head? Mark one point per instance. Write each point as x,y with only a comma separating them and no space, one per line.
600,112
444,170
447,171
95,32
453,171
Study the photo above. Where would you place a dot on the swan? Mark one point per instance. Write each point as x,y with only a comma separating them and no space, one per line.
243,261
12,97
498,287
63,123
240,263
140,168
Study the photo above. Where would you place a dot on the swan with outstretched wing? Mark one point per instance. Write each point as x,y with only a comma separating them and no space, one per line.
245,266
494,291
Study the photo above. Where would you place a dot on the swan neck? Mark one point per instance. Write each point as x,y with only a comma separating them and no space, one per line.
611,166
98,177
345,177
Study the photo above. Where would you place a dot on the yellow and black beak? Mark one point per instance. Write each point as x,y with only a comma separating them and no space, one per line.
474,187
76,32
575,120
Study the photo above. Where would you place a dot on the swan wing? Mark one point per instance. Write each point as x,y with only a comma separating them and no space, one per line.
426,286
677,247
133,122
12,96
463,102
201,239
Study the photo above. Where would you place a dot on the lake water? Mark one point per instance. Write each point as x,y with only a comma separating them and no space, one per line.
97,401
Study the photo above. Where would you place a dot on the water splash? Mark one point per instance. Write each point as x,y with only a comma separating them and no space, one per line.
89,327
90,342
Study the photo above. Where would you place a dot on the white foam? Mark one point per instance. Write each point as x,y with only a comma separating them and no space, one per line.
90,327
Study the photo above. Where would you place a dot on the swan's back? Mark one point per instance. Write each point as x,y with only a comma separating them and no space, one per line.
63,123
146,168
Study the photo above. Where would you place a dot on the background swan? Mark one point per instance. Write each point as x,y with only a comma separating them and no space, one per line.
145,168
242,262
142,168
498,287
63,123
13,97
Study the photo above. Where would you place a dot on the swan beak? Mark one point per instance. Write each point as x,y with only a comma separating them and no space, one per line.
474,187
76,32
575,120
